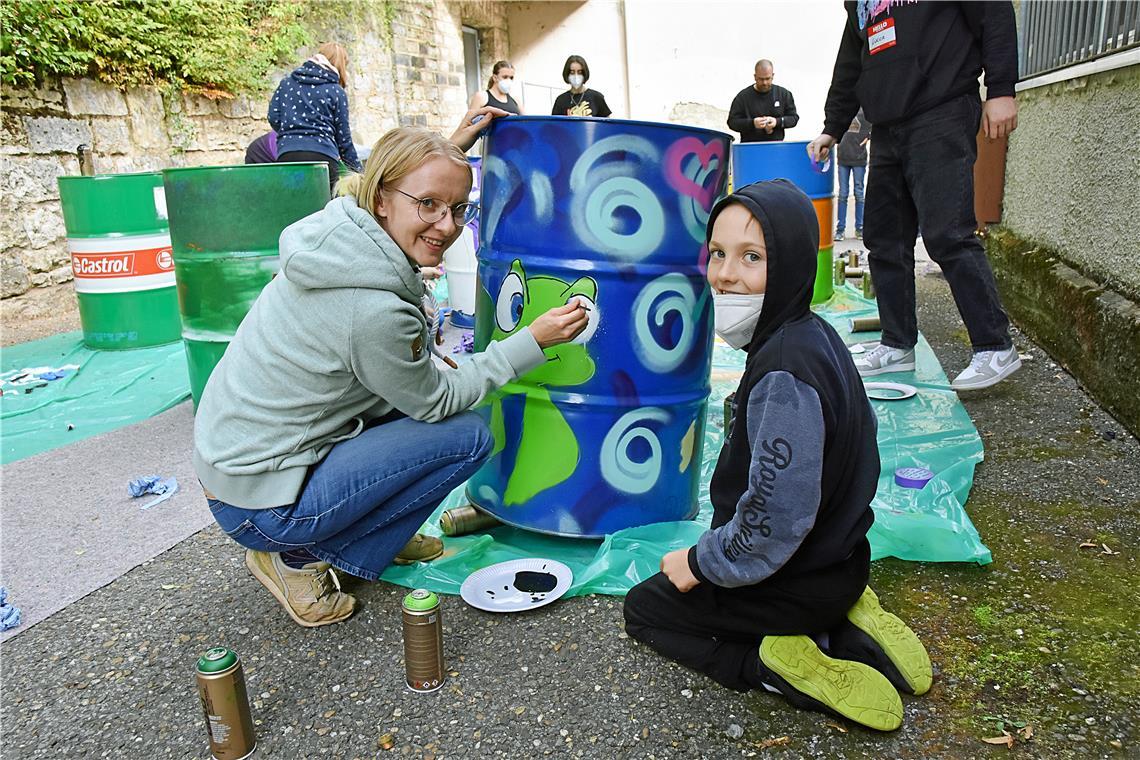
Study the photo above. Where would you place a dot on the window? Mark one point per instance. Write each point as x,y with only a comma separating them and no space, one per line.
1060,33
471,60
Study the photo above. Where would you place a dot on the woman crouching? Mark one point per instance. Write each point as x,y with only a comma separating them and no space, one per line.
326,435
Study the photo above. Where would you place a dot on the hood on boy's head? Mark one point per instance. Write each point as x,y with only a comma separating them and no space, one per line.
791,237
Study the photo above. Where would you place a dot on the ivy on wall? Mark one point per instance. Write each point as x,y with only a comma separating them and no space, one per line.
210,46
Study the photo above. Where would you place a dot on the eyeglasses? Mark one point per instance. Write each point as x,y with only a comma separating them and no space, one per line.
431,210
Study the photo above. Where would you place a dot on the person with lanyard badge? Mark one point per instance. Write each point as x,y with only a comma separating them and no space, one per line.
914,69
578,100
328,433
498,92
309,113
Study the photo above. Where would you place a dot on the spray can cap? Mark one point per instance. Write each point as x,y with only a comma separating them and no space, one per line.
216,659
420,600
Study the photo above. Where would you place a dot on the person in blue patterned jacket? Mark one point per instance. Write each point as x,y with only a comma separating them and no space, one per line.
309,112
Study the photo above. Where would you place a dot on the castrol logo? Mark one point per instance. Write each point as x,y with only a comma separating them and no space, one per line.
122,264
103,264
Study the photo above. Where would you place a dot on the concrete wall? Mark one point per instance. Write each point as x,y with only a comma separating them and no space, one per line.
1073,174
679,61
687,60
404,70
543,34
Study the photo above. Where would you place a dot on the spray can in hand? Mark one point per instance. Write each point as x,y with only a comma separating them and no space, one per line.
423,641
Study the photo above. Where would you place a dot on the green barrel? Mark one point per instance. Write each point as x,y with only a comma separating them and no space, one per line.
224,226
120,253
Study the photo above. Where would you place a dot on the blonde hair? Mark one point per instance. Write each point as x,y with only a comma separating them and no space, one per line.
394,156
338,57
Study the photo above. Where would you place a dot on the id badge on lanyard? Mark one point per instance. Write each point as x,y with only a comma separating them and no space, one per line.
881,36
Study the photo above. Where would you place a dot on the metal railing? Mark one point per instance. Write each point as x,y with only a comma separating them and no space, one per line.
1060,33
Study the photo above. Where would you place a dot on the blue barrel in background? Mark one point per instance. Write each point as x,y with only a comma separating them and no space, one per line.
608,433
756,162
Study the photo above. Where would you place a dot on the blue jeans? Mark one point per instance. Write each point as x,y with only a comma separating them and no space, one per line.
846,173
362,503
922,175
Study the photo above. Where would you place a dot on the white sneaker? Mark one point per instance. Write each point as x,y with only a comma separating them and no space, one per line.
987,368
882,359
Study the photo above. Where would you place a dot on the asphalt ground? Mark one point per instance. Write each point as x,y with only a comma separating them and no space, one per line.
112,675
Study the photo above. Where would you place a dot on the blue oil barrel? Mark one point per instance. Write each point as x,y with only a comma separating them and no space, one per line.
757,162
608,433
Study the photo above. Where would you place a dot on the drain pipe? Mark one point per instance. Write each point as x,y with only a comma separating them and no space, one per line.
625,57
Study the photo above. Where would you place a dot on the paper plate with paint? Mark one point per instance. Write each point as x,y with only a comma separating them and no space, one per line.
520,584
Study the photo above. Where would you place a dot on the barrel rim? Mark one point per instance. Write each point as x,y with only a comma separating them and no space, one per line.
637,122
262,167
87,177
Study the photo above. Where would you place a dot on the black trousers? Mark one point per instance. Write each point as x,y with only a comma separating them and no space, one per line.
922,174
717,631
308,155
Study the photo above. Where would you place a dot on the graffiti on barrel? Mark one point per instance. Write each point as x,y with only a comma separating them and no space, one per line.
605,435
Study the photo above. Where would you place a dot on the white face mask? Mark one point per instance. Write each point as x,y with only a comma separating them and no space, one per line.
577,80
735,316
505,86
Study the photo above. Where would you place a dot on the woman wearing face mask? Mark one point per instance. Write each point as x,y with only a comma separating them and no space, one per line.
327,435
499,88
773,596
578,100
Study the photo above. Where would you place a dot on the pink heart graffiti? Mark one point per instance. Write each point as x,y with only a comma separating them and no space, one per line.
705,152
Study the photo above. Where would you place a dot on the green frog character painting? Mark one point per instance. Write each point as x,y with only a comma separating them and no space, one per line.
547,451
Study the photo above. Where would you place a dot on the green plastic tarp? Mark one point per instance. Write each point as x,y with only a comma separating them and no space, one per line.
110,389
930,430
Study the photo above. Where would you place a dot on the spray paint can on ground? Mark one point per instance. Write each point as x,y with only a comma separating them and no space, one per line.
423,641
459,521
221,687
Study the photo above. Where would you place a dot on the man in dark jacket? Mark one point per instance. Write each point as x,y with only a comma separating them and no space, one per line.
914,69
762,111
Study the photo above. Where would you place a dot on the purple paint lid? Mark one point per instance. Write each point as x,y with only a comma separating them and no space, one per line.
913,477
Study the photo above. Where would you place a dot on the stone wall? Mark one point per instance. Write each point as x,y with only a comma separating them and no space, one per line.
406,68
1071,174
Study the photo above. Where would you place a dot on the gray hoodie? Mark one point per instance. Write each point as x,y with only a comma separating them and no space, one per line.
336,339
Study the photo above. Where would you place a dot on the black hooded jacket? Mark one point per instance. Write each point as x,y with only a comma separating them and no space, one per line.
793,485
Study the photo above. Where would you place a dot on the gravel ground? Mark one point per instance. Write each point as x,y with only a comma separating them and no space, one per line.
1044,636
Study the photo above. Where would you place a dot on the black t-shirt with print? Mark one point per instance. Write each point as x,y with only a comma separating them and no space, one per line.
586,103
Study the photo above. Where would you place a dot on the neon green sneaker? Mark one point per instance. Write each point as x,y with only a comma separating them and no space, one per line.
897,641
809,678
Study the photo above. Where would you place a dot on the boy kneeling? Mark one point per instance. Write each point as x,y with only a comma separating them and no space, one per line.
783,569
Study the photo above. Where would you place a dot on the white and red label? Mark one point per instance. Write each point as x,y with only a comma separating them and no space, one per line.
123,264
881,36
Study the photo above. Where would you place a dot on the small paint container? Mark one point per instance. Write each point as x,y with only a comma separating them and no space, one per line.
913,477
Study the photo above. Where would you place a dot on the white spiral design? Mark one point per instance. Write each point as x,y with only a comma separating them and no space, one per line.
598,194
619,470
668,293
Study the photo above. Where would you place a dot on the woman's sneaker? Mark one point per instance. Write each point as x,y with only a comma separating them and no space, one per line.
420,549
882,359
795,666
311,595
875,637
987,368
839,235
